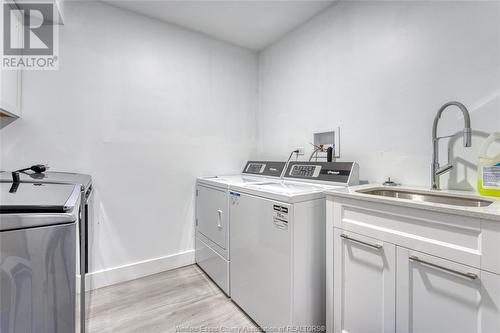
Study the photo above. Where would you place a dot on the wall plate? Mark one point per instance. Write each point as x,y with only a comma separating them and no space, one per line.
328,138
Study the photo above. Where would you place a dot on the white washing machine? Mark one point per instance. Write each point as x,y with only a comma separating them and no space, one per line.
212,248
278,244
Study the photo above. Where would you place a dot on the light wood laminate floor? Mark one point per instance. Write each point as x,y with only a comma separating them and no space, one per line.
164,302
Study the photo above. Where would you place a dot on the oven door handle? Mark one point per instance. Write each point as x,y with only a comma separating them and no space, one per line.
89,193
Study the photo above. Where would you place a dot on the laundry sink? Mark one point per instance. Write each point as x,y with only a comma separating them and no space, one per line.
430,197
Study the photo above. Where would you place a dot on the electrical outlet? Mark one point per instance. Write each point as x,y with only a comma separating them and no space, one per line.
301,150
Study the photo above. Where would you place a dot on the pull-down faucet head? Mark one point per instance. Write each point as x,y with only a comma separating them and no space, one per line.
467,138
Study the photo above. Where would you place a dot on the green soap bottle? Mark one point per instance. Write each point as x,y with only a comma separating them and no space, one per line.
488,169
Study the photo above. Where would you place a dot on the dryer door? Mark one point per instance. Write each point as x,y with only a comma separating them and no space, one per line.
211,214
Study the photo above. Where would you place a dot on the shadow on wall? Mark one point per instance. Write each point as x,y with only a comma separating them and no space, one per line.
462,180
483,114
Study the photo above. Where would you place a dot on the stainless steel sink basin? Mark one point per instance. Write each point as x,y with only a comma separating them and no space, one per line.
428,197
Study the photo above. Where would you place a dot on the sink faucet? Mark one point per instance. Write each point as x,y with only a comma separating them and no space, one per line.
436,170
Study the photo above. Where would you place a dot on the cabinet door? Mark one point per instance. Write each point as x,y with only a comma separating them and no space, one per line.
10,80
211,214
364,284
441,296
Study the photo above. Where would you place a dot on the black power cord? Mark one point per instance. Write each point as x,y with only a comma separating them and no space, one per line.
329,154
16,180
288,161
37,168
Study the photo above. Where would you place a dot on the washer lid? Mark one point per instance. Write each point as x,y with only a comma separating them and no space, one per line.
285,191
38,198
287,188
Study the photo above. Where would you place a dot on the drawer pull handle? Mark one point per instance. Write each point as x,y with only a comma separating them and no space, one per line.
219,219
373,246
468,275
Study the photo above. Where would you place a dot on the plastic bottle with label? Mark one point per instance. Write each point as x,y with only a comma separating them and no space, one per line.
488,169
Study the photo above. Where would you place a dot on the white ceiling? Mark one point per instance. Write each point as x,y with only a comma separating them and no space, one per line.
253,24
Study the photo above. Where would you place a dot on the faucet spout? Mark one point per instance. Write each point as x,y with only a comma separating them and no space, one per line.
436,171
467,132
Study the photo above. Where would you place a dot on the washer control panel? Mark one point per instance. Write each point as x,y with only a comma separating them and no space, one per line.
338,173
304,170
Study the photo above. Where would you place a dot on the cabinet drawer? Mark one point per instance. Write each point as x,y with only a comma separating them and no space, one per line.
490,259
213,264
448,236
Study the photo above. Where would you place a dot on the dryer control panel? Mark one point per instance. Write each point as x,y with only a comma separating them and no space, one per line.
264,168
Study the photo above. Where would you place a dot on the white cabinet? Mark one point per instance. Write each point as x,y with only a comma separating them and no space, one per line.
364,284
10,80
399,269
36,17
441,296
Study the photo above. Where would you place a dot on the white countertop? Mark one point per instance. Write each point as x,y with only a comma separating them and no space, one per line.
491,212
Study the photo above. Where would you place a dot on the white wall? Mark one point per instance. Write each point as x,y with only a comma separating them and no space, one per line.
144,107
380,71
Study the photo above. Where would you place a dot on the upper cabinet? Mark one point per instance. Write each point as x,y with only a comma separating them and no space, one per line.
10,79
57,5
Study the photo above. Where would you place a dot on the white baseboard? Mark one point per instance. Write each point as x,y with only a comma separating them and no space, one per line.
137,270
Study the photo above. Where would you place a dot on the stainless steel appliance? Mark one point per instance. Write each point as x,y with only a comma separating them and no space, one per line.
84,225
38,257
